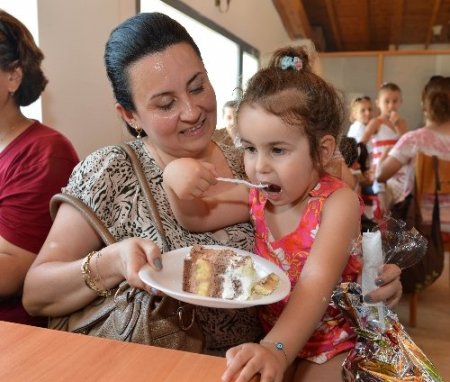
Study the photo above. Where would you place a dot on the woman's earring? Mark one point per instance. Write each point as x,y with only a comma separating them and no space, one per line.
138,129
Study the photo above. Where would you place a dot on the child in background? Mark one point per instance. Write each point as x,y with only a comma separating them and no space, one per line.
360,115
306,221
382,133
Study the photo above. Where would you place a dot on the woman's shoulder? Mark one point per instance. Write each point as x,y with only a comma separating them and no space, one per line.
235,158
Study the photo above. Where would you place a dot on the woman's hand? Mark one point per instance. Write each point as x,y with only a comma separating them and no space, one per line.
389,286
246,360
189,178
134,253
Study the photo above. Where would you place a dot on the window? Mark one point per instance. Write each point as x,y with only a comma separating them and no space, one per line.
230,62
26,12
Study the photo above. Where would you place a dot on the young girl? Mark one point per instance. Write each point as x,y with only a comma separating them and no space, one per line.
360,115
305,221
382,133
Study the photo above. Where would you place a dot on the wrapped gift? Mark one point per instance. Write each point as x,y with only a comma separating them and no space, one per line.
384,352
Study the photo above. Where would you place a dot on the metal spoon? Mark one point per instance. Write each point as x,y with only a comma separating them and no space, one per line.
242,181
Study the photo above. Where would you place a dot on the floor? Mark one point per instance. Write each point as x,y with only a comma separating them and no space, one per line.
432,332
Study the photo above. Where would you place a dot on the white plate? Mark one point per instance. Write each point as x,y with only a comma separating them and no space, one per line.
170,280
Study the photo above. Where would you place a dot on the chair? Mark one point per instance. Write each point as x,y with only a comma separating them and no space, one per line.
430,214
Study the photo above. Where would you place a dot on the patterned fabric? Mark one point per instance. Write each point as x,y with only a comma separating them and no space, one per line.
386,138
333,335
106,183
430,143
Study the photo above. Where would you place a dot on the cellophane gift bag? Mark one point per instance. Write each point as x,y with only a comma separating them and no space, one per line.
384,352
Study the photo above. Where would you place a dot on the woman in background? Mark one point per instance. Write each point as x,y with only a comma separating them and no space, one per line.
35,162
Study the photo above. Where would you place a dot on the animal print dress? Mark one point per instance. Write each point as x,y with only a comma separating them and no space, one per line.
105,181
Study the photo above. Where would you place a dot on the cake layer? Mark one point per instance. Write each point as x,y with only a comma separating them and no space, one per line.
222,273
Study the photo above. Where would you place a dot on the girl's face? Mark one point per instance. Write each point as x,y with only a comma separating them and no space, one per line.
389,101
276,154
175,102
362,112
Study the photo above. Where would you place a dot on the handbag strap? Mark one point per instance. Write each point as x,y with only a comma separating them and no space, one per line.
85,211
148,196
437,180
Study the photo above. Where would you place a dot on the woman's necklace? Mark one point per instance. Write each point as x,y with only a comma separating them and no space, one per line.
154,153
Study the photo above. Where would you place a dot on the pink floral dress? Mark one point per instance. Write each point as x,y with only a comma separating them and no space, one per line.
333,335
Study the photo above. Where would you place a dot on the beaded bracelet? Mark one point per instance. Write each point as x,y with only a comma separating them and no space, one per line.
90,282
278,346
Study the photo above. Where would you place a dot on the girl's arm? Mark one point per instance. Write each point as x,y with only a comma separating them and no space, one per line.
199,202
340,225
371,129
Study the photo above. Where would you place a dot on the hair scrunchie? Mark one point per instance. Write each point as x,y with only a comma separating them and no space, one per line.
288,62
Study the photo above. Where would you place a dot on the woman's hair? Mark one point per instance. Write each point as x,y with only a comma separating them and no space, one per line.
355,102
18,50
389,86
436,99
139,36
289,89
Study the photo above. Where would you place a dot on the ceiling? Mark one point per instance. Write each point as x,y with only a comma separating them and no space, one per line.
366,25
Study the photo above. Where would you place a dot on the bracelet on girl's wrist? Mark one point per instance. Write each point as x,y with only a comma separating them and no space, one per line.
89,280
279,346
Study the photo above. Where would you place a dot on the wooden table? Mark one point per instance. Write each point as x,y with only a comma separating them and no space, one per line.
32,354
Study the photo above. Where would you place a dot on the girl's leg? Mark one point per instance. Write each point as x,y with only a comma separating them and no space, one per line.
330,371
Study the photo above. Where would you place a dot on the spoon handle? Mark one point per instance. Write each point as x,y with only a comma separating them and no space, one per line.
241,181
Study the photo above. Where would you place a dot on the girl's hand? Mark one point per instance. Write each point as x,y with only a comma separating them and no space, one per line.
189,178
247,360
389,286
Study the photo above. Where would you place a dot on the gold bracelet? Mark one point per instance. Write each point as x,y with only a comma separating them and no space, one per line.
278,346
89,280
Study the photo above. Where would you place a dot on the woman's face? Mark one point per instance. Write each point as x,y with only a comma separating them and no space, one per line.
175,102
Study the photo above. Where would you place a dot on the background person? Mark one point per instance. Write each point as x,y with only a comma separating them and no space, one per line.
35,162
227,134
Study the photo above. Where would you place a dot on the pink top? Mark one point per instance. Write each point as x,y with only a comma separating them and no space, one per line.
422,140
290,253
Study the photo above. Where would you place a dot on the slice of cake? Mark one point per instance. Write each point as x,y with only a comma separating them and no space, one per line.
222,273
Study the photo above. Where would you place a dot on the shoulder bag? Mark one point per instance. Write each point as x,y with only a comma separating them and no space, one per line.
130,314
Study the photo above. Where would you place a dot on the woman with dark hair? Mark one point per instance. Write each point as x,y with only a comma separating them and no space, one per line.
167,102
35,162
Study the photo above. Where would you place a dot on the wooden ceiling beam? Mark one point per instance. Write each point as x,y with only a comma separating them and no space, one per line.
397,23
294,18
367,24
434,15
334,23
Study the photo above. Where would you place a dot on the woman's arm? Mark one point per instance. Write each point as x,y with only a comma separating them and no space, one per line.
198,201
310,297
54,285
14,264
387,168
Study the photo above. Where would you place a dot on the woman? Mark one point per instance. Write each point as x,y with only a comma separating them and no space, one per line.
432,139
35,162
164,95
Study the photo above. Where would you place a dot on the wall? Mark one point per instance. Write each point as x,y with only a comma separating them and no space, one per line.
78,100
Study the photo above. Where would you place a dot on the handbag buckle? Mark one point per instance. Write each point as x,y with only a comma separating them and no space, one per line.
180,311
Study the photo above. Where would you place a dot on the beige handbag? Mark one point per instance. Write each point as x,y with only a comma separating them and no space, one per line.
130,314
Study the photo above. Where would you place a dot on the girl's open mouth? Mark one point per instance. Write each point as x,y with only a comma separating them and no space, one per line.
272,188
